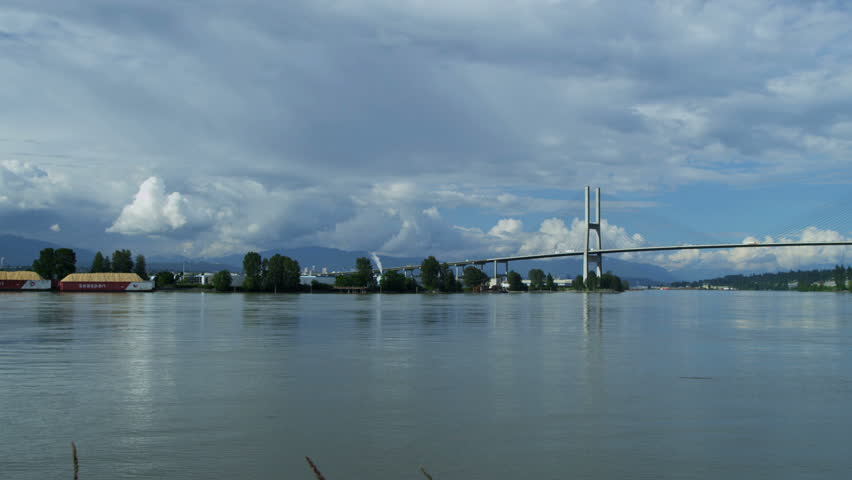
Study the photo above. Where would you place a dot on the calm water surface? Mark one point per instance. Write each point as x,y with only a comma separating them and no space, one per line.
205,386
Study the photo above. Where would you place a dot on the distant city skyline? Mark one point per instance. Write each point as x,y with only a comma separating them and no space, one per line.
212,128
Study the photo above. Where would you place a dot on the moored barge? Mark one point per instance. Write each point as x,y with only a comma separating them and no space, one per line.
105,282
22,281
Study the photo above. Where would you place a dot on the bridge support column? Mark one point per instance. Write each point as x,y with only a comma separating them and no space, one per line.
596,227
496,275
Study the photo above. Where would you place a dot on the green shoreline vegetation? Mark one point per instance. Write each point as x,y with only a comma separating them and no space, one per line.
608,282
281,274
827,280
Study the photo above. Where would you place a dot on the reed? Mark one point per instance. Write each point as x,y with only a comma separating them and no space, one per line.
76,463
311,463
320,476
315,469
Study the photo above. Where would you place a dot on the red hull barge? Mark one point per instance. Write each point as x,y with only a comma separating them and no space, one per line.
12,284
22,281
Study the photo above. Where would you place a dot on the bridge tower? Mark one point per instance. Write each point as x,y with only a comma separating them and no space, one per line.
596,227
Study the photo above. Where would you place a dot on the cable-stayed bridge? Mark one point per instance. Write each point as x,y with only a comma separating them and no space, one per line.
595,255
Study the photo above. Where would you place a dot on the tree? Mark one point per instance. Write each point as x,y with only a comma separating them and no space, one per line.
45,264
252,268
592,281
164,278
473,277
140,268
107,265
550,285
578,283
265,284
536,277
848,275
617,284
273,277
222,281
346,280
282,273
430,270
320,286
609,281
65,262
515,281
292,275
840,277
364,273
447,280
411,284
97,263
122,261
393,281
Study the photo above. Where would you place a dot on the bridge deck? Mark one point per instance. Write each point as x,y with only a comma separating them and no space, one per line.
483,261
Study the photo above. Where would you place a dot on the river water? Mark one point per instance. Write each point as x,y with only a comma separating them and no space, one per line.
657,384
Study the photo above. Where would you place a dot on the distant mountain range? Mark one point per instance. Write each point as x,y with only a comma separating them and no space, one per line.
19,251
319,257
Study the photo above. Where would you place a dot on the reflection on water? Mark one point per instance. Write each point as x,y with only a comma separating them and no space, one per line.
188,385
592,314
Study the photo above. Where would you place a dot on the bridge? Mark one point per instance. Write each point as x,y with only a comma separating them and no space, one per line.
593,230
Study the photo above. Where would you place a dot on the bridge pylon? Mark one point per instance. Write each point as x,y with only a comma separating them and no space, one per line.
593,227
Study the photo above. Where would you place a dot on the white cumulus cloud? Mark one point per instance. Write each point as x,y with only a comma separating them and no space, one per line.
26,186
762,259
152,211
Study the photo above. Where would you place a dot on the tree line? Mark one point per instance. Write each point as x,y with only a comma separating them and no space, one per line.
57,264
805,280
434,277
121,262
281,273
437,277
278,273
607,281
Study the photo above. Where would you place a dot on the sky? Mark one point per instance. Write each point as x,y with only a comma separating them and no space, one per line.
410,127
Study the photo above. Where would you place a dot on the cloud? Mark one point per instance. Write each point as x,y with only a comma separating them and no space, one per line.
433,213
24,186
405,126
508,237
152,211
762,259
